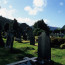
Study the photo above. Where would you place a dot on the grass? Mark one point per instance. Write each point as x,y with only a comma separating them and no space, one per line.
58,55
20,51
24,49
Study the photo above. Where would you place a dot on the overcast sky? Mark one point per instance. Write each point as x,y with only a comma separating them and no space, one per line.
29,11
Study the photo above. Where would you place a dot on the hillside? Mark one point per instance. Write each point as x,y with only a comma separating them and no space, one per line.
63,27
53,28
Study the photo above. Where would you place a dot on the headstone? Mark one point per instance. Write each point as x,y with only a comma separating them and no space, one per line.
25,36
10,39
31,36
52,34
18,37
32,40
61,35
44,49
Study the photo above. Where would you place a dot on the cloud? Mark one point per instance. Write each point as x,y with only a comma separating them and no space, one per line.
10,6
46,20
38,6
0,2
39,3
7,13
3,1
26,20
28,8
32,11
29,21
61,4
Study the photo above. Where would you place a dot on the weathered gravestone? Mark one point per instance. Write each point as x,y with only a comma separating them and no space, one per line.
31,36
44,49
44,53
18,37
32,40
24,35
10,39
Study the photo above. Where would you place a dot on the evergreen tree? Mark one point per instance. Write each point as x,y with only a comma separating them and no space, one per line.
41,26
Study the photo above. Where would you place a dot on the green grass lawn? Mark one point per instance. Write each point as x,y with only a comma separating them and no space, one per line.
24,49
58,56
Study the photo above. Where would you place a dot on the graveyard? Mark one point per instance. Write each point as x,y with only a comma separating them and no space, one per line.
32,32
24,49
21,44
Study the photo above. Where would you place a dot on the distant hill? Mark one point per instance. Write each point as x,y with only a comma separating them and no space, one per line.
63,27
53,28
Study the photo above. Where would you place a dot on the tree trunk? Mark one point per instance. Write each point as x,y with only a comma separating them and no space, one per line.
1,41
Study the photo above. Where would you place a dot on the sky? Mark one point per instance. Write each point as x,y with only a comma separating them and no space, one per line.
30,11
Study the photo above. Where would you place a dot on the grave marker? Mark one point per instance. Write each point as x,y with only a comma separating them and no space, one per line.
44,49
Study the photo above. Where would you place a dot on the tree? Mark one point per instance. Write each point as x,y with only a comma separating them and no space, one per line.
6,27
37,31
63,27
15,27
24,36
41,25
1,40
62,30
57,31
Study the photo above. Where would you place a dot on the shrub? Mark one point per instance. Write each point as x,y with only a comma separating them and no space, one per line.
61,40
62,46
54,42
57,41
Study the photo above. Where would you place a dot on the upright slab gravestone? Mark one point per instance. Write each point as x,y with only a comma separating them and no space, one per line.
44,49
32,40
